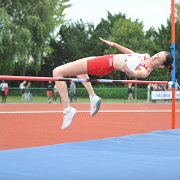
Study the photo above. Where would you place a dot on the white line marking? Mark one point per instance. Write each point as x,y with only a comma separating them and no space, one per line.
83,111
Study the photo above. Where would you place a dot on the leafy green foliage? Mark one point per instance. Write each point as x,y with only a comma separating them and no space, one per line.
26,27
35,38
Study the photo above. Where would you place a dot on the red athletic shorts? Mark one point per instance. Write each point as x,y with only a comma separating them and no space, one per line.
100,65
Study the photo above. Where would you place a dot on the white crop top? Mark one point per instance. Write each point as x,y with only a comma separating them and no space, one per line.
134,60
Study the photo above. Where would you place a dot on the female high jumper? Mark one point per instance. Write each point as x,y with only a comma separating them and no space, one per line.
133,64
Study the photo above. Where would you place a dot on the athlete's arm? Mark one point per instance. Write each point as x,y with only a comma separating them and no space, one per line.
121,48
140,73
137,74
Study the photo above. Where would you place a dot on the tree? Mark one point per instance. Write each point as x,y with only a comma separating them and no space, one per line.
81,39
26,27
74,43
125,32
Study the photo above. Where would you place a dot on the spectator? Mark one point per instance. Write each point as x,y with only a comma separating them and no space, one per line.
27,93
177,86
49,91
150,89
155,87
22,89
55,94
72,91
4,90
130,93
161,87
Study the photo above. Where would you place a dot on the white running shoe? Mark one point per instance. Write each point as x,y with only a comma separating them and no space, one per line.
95,104
68,117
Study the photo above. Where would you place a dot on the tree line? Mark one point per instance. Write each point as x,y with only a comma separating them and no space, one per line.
35,37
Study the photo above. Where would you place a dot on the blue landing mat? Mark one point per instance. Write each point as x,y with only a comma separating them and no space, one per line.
151,156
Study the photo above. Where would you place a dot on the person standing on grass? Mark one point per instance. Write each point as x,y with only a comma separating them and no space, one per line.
4,90
72,91
22,89
149,92
49,91
27,92
177,86
130,93
55,94
133,64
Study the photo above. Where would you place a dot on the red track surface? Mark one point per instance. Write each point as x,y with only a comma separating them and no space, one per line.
37,129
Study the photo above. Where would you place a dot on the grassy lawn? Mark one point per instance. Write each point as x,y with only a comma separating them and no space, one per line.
109,95
43,99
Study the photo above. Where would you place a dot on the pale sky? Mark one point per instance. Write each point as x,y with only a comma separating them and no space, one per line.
150,12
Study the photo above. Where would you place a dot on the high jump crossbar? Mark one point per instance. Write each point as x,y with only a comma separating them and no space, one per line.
34,78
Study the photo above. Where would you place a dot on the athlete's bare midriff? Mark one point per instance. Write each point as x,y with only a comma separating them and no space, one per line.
118,60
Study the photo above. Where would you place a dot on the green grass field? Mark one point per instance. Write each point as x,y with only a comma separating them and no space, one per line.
43,99
109,95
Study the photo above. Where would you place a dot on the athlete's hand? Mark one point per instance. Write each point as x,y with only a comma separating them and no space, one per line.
107,42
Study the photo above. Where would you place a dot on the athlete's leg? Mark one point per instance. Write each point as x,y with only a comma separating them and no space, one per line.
87,85
70,69
94,99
